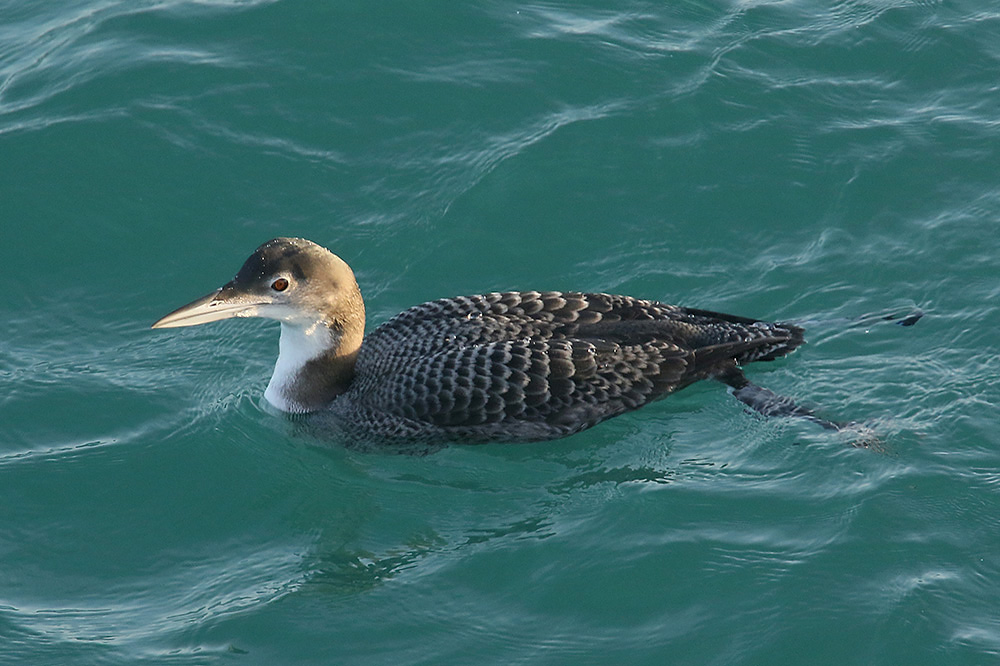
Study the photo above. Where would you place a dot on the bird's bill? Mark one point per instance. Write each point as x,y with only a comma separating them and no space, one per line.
213,307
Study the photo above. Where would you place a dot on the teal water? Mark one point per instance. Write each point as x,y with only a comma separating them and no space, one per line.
788,160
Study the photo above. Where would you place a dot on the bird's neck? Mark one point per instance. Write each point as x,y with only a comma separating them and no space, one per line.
315,364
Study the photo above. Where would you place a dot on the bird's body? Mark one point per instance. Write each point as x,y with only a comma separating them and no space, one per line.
514,366
539,365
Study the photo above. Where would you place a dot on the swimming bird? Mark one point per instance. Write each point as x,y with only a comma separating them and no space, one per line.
503,366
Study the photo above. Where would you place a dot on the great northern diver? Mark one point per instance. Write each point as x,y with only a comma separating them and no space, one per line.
511,366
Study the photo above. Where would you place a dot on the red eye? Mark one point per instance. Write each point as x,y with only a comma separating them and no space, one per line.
280,284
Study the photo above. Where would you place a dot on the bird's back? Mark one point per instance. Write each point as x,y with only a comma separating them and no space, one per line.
539,365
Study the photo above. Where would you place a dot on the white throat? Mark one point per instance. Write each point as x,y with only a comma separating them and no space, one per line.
298,345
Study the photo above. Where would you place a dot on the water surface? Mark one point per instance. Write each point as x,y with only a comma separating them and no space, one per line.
792,160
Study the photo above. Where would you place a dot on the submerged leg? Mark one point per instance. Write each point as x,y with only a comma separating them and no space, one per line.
769,403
